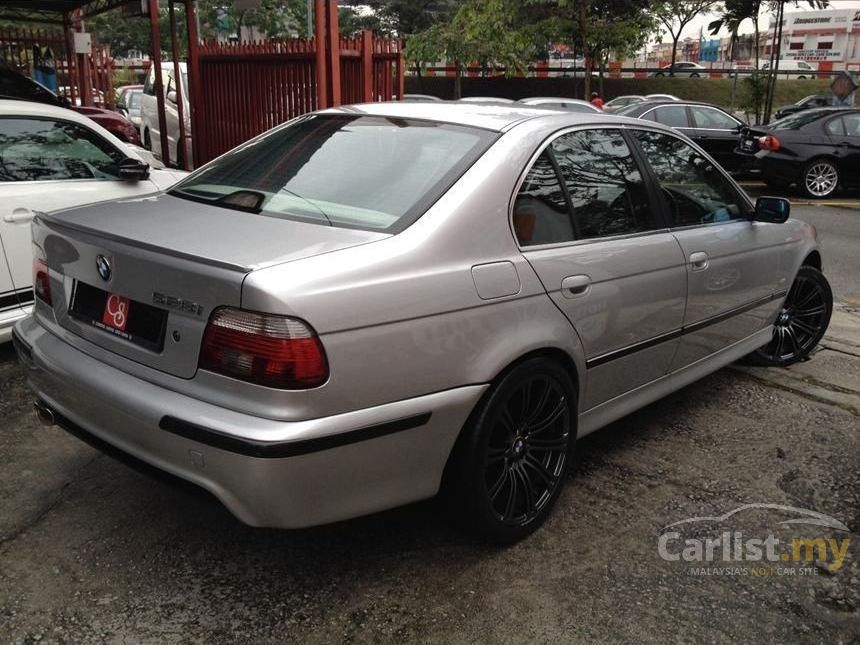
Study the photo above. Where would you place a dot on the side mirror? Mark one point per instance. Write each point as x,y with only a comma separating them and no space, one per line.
171,96
772,209
133,170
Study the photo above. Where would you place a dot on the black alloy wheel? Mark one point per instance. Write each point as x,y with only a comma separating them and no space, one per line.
515,457
800,323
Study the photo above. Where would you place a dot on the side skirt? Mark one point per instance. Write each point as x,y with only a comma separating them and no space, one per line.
624,404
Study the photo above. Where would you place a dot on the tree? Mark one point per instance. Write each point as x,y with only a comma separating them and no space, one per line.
675,15
734,13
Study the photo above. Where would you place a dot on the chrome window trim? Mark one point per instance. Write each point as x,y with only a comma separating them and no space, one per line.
524,173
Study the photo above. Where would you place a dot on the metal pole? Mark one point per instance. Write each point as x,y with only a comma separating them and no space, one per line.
181,152
155,43
192,22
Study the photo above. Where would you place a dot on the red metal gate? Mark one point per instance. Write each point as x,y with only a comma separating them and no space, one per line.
16,51
248,88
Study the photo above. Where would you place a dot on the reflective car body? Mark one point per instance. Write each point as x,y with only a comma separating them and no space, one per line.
708,125
817,149
419,314
560,102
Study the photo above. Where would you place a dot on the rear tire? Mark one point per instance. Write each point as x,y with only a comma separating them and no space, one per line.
512,464
801,322
819,179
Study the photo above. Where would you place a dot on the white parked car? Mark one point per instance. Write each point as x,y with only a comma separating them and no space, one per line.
682,69
52,159
150,132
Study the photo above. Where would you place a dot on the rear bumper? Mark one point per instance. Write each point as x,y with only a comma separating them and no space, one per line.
266,472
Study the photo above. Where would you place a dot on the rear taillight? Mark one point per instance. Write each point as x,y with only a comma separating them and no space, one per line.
270,350
41,281
769,143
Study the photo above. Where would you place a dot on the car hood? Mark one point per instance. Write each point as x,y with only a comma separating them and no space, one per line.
223,236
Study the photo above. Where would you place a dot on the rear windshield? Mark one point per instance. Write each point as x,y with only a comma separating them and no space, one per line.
368,172
799,119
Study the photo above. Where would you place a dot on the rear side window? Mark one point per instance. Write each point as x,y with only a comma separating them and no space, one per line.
694,190
605,185
541,211
674,116
852,125
368,172
835,127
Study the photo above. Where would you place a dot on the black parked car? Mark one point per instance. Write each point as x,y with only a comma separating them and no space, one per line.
817,149
807,103
711,127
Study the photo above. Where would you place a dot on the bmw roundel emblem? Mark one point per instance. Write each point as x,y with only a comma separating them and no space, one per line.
104,268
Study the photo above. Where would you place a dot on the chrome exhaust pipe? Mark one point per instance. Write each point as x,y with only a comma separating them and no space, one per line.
46,417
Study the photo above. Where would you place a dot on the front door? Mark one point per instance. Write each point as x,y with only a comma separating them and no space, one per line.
732,262
844,132
586,222
717,133
49,164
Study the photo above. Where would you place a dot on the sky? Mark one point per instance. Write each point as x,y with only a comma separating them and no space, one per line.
692,29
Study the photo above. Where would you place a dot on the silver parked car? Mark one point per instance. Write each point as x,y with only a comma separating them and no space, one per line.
370,302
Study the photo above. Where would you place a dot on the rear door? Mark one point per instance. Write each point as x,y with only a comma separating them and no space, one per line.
717,132
585,221
844,131
732,262
49,164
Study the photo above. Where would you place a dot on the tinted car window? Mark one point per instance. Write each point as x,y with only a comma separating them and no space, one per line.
45,150
852,124
376,173
835,127
695,191
798,119
604,184
714,119
541,214
674,116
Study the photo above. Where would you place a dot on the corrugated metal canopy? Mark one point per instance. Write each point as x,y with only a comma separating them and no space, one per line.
52,11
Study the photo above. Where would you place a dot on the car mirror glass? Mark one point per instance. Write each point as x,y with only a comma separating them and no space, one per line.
772,209
133,170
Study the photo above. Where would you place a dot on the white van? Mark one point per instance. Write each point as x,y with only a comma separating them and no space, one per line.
791,68
150,134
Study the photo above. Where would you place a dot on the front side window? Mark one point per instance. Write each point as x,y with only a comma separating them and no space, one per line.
695,191
369,172
675,116
605,185
712,119
46,150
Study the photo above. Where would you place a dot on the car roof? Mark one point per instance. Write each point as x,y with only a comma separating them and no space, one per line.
498,117
652,103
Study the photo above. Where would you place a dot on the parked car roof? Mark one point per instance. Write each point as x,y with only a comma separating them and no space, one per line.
562,102
491,116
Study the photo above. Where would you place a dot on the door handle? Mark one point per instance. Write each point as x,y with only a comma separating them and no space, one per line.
575,285
699,261
19,216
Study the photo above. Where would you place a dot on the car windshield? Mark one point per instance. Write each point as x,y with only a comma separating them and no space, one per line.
368,172
798,119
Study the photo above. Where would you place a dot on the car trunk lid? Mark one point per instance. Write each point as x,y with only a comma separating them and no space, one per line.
141,277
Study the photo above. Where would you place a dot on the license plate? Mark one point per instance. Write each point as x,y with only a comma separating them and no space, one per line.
116,312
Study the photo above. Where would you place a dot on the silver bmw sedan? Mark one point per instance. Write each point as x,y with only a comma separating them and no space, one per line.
370,303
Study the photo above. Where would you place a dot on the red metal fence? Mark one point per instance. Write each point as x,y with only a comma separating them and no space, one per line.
16,51
248,88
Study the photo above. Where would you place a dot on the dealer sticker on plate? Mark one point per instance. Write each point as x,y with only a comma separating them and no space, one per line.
116,312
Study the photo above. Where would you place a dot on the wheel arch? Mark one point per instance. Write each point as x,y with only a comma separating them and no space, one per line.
553,353
813,259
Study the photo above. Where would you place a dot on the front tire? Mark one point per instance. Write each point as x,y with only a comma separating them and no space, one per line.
800,323
512,464
819,179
